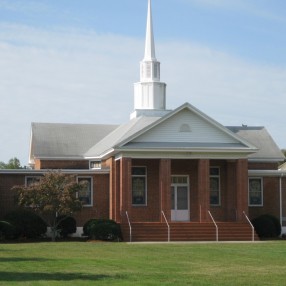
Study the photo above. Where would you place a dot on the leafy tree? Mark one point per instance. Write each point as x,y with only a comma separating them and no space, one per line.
13,163
284,151
53,196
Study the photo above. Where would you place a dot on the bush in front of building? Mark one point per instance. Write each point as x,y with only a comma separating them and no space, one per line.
24,223
102,229
267,226
66,226
7,230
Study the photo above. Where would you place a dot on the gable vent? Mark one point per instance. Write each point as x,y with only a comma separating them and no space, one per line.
185,128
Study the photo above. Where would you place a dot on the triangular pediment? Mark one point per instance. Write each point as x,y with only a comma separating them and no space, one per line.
186,127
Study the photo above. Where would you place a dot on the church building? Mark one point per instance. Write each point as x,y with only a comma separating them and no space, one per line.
165,175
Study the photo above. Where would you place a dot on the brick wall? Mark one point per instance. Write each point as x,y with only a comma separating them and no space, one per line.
270,199
100,208
61,164
150,212
7,196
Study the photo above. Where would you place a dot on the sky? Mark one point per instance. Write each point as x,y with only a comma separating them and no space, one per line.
70,61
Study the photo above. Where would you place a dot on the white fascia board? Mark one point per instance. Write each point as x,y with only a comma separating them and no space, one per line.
180,155
266,173
266,160
77,158
105,155
64,171
189,150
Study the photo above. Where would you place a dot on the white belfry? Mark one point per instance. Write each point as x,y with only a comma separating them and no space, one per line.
149,93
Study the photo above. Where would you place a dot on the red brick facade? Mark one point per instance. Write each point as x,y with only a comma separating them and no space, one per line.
112,192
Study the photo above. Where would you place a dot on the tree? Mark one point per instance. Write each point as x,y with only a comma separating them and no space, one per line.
53,196
13,163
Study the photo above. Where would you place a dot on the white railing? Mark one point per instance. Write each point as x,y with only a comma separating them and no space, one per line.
130,229
167,225
216,227
252,227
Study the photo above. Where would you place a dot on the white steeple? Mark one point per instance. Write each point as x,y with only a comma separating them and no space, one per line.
149,93
149,42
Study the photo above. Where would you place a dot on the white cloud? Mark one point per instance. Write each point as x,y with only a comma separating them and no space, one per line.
257,8
83,77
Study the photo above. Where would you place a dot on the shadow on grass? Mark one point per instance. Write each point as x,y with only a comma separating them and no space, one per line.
22,259
57,276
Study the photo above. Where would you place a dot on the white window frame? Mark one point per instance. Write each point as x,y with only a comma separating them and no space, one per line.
261,191
219,188
145,191
31,177
91,189
97,164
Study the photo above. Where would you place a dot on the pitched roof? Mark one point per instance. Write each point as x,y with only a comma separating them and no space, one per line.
85,141
144,133
61,140
259,136
120,134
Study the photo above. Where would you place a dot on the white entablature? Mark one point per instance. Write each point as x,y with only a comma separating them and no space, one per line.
149,93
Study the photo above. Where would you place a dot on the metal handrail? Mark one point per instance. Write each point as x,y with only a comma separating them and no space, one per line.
215,225
250,225
167,225
130,229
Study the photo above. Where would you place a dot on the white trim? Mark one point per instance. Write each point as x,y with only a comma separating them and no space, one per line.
181,154
193,109
175,185
266,173
32,177
95,161
64,171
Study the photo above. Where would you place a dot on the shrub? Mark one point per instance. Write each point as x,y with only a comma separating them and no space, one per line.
267,226
25,224
7,230
102,229
66,226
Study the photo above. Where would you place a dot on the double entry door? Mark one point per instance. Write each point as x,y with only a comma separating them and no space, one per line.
180,200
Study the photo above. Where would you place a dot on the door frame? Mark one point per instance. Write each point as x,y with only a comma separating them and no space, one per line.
180,184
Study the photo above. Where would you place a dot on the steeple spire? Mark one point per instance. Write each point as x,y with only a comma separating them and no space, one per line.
149,43
149,93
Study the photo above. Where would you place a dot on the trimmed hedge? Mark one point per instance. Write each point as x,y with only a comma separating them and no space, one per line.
102,229
24,223
66,226
267,226
7,230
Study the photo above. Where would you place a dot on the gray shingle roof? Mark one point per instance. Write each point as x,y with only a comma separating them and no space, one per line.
120,134
259,137
60,140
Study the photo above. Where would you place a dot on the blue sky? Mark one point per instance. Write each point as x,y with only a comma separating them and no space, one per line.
76,61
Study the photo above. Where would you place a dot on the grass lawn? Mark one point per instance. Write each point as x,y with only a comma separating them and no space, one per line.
86,263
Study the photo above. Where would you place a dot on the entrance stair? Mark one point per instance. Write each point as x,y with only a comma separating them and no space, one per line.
187,231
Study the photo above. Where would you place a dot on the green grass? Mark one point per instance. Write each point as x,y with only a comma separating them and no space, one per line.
81,263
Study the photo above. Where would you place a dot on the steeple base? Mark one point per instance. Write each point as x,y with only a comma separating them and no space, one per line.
149,113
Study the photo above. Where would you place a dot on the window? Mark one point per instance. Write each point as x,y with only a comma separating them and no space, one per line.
139,187
85,195
95,164
29,180
255,192
214,186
